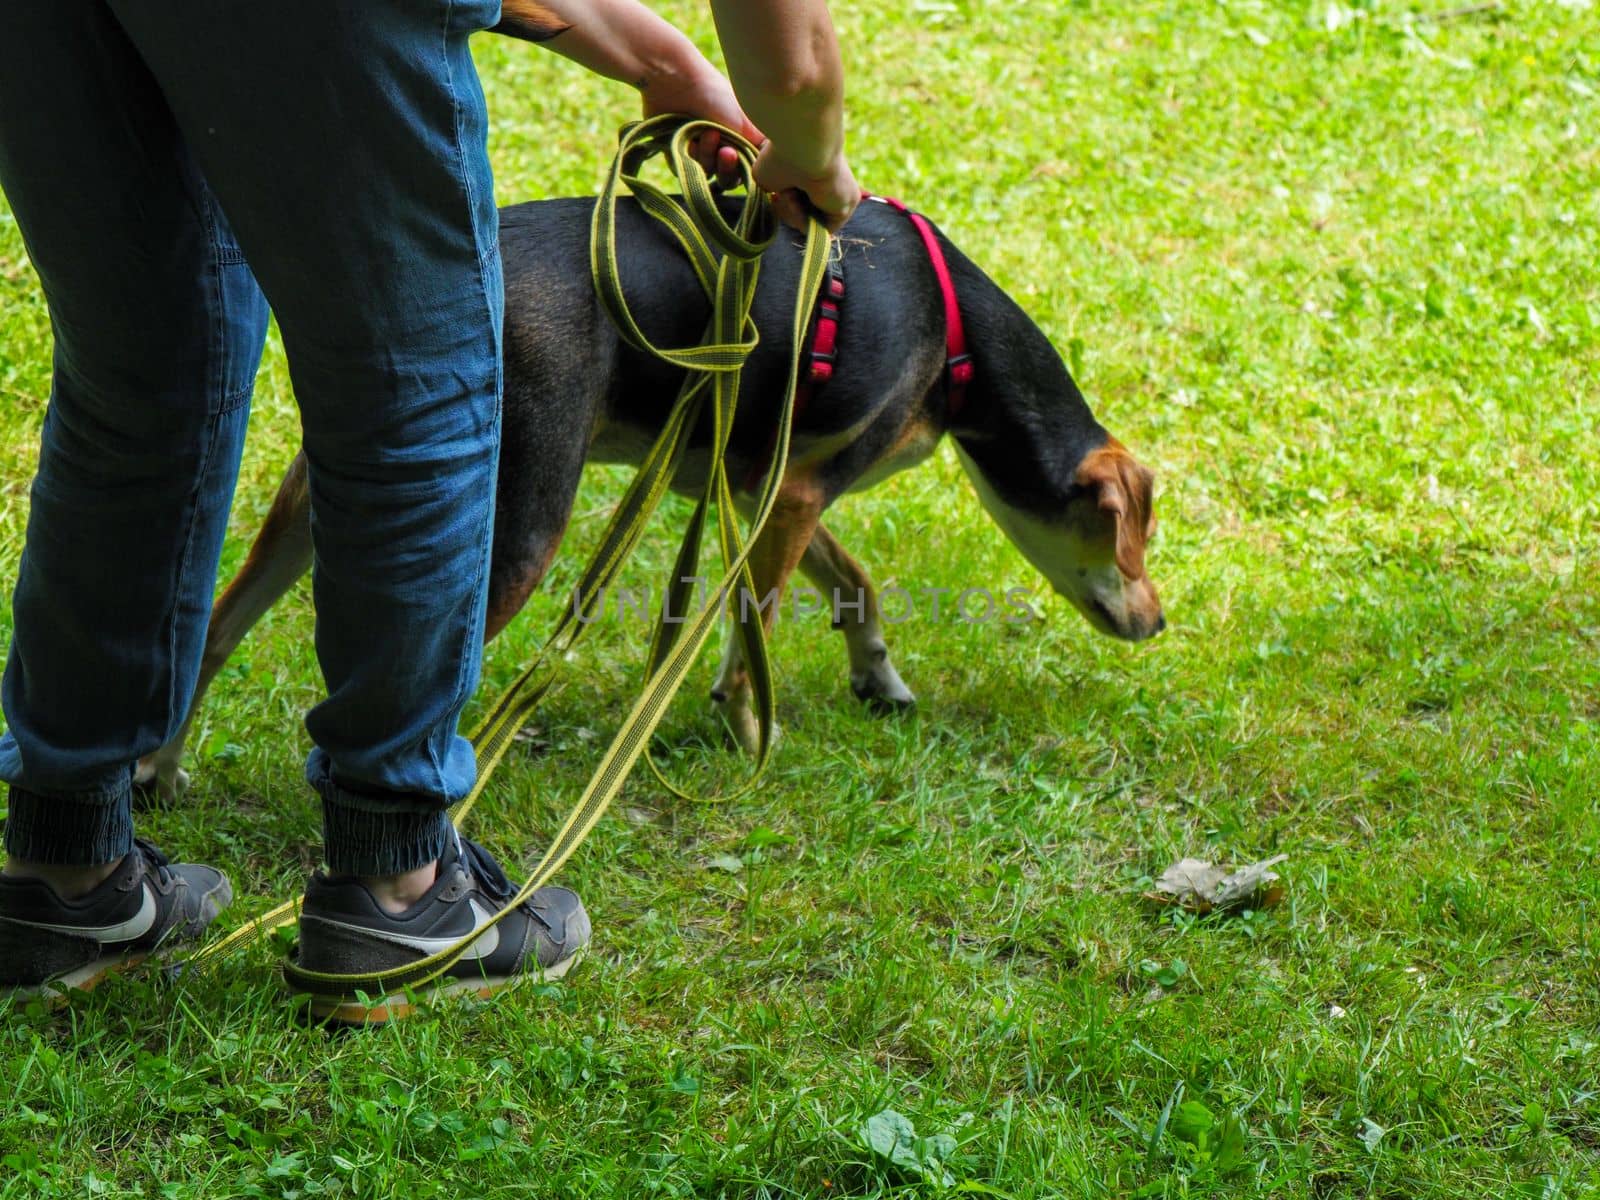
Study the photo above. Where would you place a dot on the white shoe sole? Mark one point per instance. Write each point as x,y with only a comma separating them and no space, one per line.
83,979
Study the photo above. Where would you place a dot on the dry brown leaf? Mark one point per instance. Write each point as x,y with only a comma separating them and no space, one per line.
1254,886
1203,887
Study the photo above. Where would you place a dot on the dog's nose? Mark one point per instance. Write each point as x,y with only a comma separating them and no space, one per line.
1161,623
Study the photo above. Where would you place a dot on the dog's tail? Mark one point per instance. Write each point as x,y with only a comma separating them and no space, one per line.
529,20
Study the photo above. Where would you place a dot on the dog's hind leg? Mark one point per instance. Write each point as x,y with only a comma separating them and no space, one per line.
854,603
772,561
278,557
541,465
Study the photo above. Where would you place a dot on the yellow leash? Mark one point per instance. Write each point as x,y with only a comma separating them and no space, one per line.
713,367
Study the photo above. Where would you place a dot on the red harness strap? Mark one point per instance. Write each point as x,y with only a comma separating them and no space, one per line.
957,360
816,361
822,344
824,335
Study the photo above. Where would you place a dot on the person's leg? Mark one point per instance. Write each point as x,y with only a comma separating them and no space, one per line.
346,140
158,329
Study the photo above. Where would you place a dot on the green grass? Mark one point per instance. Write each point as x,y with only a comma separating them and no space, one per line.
1330,268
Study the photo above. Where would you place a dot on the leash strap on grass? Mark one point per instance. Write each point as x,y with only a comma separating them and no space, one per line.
713,369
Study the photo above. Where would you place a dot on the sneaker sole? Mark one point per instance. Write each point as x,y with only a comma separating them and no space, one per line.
343,1010
83,979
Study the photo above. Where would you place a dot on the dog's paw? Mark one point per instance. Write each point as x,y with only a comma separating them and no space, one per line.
743,727
746,735
158,783
888,706
882,690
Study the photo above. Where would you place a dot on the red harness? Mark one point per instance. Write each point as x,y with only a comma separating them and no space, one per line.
957,360
821,345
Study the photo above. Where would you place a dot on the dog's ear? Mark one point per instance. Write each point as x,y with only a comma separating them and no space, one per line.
1122,490
529,20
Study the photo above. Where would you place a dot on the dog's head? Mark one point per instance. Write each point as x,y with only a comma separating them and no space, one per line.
1091,548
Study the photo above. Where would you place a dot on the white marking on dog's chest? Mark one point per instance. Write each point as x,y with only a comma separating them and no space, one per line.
904,456
621,443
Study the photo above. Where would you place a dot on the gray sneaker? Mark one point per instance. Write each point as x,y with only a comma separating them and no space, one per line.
147,904
344,931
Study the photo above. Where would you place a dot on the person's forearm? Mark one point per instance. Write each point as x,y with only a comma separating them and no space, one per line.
620,39
783,59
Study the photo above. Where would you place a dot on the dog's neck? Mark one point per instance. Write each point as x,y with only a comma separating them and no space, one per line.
1025,425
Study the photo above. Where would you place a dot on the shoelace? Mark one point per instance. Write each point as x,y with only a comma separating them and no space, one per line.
481,866
492,879
156,860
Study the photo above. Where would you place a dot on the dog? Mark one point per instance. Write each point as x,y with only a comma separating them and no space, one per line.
1071,498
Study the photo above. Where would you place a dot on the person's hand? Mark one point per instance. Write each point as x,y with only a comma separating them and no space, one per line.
797,194
706,94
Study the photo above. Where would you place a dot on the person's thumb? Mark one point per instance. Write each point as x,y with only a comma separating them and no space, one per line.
793,209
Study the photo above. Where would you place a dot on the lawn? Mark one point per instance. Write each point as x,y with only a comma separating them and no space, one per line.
1330,268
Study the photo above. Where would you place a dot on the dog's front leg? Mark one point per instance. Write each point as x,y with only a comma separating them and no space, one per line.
278,557
772,560
854,602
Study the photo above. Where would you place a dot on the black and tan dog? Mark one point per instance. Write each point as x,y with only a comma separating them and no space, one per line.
1069,496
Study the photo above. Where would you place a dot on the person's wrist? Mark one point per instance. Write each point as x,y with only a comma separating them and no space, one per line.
815,167
671,67
814,152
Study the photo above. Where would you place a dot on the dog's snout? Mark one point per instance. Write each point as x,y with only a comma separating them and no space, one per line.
1161,623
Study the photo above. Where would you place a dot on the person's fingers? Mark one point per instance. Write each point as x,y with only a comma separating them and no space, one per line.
830,197
832,221
796,209
727,169
846,198
834,203
716,157
703,149
792,209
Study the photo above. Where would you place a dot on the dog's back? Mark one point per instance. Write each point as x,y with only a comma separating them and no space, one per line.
574,392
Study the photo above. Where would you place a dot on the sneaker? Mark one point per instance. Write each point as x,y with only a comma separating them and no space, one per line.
345,931
147,904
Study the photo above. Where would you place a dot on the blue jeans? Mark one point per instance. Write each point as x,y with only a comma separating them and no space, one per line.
175,166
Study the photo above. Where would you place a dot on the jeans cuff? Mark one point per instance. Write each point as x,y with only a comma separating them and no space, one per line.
67,831
365,834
